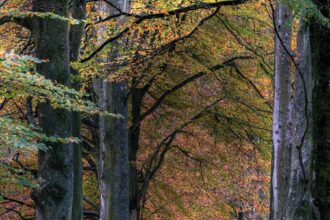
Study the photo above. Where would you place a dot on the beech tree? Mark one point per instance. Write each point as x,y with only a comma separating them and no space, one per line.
282,95
54,196
77,11
59,167
297,185
113,132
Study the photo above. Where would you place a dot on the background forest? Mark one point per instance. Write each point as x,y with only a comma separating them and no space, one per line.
158,109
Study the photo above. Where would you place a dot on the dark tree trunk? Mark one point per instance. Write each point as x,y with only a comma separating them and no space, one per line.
133,149
78,11
113,135
113,151
54,196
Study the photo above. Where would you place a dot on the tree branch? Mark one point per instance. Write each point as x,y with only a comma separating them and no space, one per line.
167,141
16,201
193,7
24,22
141,18
159,101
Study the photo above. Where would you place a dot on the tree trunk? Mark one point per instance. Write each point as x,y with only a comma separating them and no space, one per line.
54,196
308,188
133,149
299,198
78,11
113,151
281,150
113,137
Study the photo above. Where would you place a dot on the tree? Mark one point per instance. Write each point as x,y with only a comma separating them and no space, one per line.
191,94
54,196
162,102
49,25
78,11
113,134
282,94
305,167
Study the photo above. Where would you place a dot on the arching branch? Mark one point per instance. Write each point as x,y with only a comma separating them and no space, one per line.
141,18
192,78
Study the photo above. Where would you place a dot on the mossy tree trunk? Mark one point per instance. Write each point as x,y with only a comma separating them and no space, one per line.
113,133
78,11
113,151
54,196
299,197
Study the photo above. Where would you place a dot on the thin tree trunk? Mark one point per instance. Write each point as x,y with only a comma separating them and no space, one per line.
281,150
78,11
54,195
137,95
133,149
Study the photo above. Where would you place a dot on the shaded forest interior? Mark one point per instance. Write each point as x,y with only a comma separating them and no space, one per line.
158,109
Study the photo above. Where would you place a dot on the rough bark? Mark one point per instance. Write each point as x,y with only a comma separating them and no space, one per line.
113,137
54,195
281,150
78,11
113,152
299,198
308,189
